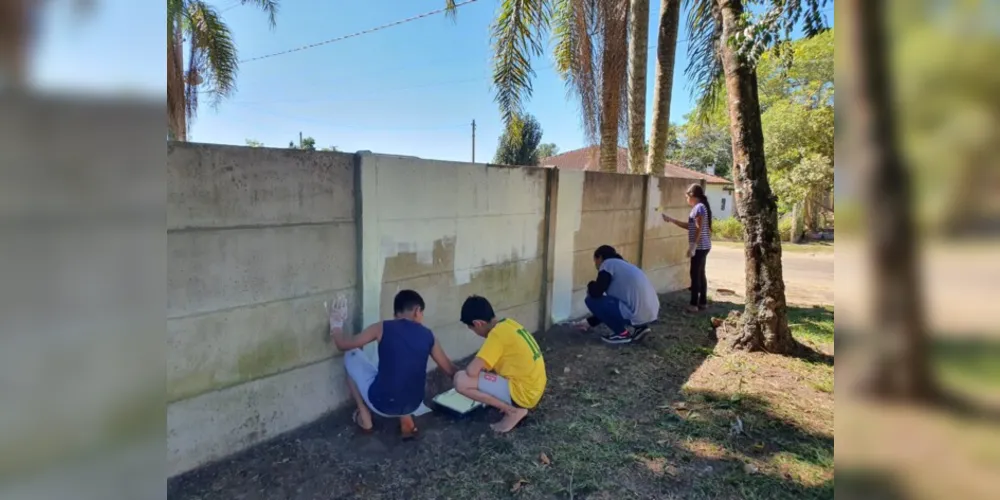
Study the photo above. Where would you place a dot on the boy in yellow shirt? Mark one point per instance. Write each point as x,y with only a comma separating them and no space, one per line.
508,373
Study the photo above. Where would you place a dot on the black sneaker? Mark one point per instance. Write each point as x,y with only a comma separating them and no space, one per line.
640,332
617,338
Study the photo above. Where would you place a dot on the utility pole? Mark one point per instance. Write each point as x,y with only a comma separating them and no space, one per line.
473,141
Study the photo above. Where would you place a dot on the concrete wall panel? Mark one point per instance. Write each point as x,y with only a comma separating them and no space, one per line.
212,186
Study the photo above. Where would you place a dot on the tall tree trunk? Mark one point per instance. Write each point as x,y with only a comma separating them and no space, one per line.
765,319
637,56
176,106
614,53
898,365
666,50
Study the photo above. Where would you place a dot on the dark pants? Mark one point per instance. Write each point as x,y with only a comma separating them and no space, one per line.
605,310
699,282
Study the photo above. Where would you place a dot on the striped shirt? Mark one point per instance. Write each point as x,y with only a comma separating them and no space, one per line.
705,240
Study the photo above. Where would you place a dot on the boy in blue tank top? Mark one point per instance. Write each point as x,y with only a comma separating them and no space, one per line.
394,387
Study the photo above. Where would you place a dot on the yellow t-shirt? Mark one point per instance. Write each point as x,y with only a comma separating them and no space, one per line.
511,351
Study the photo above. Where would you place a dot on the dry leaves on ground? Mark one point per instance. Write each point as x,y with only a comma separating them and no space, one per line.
518,485
544,459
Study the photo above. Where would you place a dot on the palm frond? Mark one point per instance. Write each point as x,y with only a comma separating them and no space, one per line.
518,33
704,68
213,43
576,64
270,7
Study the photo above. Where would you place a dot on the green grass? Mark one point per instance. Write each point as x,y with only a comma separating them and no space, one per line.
813,326
968,365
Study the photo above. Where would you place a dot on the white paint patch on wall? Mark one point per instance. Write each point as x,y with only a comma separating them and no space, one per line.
654,211
569,208
493,215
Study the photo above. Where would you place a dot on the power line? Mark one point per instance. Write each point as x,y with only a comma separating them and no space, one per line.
359,33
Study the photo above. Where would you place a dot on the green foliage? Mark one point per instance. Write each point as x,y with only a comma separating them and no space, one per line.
732,229
212,60
519,143
706,144
798,122
727,229
785,228
547,150
254,143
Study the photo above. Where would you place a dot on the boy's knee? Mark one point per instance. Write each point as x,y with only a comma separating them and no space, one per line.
463,382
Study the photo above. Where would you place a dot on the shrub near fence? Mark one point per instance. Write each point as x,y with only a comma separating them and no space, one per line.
731,229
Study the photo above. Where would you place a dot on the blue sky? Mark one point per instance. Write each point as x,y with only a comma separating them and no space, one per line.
411,89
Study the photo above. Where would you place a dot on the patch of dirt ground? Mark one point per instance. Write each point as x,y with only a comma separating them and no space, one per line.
670,417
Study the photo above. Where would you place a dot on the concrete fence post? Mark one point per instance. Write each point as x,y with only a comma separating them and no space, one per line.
551,218
368,231
644,216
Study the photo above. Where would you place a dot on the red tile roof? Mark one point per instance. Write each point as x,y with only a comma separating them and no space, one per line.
589,159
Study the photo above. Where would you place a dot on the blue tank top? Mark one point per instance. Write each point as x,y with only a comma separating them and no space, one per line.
402,367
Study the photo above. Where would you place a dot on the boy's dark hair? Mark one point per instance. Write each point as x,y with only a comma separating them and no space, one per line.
476,307
605,252
407,300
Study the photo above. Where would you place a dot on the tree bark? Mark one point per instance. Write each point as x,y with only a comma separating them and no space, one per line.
898,365
176,106
765,325
638,52
613,68
666,50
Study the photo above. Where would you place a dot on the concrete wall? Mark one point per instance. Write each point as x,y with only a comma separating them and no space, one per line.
665,245
257,240
594,209
450,230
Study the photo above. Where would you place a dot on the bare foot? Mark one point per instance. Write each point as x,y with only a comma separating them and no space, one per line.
692,309
407,428
510,420
363,420
582,325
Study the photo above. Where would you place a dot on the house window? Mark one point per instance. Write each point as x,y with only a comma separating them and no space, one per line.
723,207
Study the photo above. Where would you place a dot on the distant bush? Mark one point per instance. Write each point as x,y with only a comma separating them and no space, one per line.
732,229
727,229
785,228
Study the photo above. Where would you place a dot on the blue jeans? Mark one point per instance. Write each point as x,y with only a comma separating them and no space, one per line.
605,310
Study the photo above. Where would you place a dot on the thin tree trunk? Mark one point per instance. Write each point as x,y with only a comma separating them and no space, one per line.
637,56
765,319
796,236
898,365
176,108
613,68
666,50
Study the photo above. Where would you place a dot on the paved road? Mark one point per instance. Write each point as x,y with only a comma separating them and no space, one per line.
808,277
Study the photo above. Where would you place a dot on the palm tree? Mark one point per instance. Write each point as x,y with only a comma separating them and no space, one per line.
590,49
666,49
637,56
724,46
212,62
899,364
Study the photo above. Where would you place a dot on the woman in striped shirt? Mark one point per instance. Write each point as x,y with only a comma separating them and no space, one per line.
699,228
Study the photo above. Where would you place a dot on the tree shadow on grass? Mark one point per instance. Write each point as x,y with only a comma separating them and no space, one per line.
765,457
